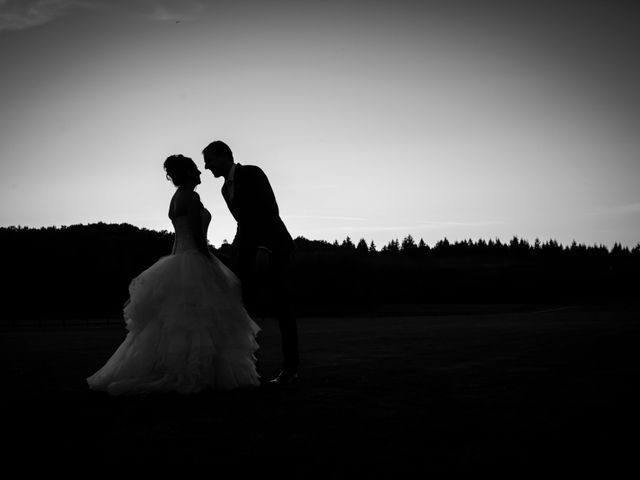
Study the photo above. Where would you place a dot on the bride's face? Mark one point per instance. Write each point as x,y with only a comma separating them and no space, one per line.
194,176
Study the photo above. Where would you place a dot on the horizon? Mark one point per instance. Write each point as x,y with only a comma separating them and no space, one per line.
378,247
430,119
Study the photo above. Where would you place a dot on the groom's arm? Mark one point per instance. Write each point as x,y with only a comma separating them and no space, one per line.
266,200
256,208
260,202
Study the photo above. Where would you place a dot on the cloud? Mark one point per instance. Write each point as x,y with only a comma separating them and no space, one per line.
449,224
312,187
409,227
627,209
328,217
22,14
426,226
170,11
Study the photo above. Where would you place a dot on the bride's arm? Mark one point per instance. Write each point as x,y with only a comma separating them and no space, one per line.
175,238
195,224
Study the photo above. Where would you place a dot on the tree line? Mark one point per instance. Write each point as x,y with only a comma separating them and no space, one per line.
83,271
515,247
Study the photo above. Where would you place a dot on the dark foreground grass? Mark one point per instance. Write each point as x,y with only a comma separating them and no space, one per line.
517,393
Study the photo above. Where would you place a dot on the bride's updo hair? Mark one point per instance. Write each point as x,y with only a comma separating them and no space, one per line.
178,168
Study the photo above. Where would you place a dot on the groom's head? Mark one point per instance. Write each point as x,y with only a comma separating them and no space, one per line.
218,158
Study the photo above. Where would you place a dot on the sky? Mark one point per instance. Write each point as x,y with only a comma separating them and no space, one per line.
375,120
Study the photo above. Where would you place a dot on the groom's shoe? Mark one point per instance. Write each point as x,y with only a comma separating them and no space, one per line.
285,378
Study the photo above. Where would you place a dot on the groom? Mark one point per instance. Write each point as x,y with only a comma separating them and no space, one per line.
260,233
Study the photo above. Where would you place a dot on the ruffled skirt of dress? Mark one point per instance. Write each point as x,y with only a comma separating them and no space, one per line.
187,331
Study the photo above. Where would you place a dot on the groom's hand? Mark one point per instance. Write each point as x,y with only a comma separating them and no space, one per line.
262,259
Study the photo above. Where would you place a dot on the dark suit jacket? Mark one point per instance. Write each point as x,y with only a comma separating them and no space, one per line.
255,209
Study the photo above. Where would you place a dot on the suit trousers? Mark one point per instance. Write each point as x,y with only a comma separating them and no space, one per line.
278,277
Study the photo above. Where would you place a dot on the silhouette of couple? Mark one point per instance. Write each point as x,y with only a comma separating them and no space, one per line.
188,328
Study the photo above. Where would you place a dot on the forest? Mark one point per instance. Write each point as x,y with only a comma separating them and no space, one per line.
83,271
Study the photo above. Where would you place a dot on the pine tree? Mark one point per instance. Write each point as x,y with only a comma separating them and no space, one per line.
409,245
362,246
442,244
347,244
393,246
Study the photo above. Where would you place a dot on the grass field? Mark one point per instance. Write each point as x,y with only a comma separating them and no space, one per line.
515,392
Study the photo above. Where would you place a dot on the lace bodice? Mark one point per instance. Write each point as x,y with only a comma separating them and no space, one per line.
185,236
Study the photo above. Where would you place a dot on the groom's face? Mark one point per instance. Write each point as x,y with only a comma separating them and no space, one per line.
219,166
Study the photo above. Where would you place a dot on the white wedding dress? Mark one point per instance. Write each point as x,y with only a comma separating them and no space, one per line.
187,327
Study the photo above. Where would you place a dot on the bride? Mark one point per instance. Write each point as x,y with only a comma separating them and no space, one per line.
187,327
